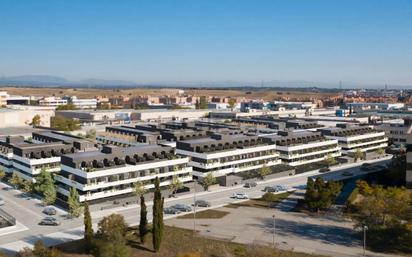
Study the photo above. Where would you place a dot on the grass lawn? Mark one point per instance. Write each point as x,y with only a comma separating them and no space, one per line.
177,241
261,203
206,214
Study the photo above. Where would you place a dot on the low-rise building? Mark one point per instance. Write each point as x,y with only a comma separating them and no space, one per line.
112,172
224,154
409,161
396,130
52,101
352,137
303,147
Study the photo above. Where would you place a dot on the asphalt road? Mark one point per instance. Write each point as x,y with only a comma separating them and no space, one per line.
28,212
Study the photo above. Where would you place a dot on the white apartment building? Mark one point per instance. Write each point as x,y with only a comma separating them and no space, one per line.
112,172
52,101
224,154
396,130
87,103
30,159
351,138
299,148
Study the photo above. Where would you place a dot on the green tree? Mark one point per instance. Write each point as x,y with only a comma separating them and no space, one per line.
45,186
2,174
175,185
40,250
15,180
27,186
264,171
91,134
88,229
116,247
64,124
158,226
74,203
320,194
66,107
207,181
112,226
139,188
35,122
143,224
358,155
380,152
49,195
232,103
330,160
202,103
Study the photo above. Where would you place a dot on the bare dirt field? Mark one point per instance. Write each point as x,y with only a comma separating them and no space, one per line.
132,92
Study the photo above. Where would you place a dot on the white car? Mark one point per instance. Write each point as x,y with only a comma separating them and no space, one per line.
240,196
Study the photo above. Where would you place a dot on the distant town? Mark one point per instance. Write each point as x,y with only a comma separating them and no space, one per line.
208,161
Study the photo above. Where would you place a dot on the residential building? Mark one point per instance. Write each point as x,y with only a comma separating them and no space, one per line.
224,154
3,98
87,103
409,162
52,101
396,130
112,172
351,138
28,159
303,147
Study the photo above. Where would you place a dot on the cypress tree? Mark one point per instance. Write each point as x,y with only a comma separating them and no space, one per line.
88,230
157,230
143,220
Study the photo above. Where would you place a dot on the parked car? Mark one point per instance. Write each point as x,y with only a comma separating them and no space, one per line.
366,167
240,196
49,211
269,189
324,169
49,221
2,202
171,210
202,203
280,188
182,207
250,184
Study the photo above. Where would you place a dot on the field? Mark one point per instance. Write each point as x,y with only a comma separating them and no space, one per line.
92,92
204,247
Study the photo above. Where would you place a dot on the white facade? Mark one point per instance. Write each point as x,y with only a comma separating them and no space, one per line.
231,161
90,103
114,181
52,101
365,142
310,152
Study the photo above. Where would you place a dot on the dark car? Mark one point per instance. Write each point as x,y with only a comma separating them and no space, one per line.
171,210
270,189
182,207
202,203
323,170
49,221
250,184
49,211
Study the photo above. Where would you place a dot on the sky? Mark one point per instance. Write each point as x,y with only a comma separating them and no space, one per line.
360,41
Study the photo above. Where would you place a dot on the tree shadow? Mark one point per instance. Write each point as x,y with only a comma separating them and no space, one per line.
323,233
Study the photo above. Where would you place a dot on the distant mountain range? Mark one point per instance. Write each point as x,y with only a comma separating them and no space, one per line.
55,81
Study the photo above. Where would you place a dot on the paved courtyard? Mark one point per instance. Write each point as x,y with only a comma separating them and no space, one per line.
333,236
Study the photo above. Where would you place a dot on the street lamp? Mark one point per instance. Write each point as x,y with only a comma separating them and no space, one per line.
274,229
364,239
194,208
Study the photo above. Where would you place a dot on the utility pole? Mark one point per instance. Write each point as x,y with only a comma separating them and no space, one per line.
274,230
364,239
194,208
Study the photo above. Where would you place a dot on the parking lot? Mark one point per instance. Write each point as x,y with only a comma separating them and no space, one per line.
324,234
